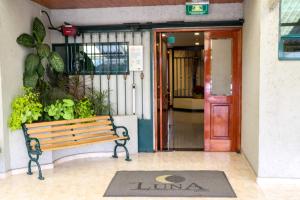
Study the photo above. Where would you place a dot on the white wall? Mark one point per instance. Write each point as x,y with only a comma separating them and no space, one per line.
279,104
15,18
1,127
250,90
121,15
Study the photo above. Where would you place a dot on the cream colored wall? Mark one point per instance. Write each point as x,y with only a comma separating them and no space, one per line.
15,18
279,103
1,126
250,90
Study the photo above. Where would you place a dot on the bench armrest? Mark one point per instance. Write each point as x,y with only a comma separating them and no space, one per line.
36,148
125,132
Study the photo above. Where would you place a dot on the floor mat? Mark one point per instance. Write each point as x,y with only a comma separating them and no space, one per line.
170,184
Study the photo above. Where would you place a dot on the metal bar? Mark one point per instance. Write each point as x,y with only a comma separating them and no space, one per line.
84,66
100,79
133,78
188,77
70,47
67,52
108,76
117,82
142,78
133,85
173,72
74,68
147,26
125,83
183,79
180,74
92,56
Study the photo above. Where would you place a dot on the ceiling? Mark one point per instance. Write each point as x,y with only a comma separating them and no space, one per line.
187,39
71,4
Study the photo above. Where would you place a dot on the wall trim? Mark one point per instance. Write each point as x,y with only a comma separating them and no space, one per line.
61,161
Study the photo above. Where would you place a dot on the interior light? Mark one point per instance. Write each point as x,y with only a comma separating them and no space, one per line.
196,34
164,35
197,43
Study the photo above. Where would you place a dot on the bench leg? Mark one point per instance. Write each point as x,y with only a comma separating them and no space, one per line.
36,161
29,172
40,171
115,151
115,155
127,153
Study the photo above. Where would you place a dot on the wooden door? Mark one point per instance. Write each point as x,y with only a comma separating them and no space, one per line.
162,91
222,90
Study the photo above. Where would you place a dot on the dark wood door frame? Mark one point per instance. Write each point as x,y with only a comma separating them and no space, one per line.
157,61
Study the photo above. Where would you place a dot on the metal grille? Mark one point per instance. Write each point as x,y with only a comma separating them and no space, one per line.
98,58
102,61
185,76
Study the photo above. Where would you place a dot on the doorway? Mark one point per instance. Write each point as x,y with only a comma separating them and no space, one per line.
198,89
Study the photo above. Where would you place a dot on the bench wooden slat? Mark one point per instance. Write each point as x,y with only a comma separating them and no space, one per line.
67,127
61,122
56,135
81,143
77,137
74,132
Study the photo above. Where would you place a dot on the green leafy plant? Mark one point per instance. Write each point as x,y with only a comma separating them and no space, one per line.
25,109
61,109
99,102
84,108
43,57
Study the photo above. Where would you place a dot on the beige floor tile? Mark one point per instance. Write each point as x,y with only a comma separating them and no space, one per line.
87,179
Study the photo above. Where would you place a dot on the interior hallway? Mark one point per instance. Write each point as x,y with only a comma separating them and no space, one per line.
186,130
87,179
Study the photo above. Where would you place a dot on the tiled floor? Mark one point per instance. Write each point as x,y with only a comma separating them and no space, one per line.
87,179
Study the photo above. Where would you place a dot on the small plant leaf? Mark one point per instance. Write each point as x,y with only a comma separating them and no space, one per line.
26,40
68,102
31,63
56,62
38,30
30,80
43,50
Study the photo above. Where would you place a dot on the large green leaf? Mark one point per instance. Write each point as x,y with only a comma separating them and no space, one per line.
26,40
56,62
40,70
31,63
30,80
38,30
43,50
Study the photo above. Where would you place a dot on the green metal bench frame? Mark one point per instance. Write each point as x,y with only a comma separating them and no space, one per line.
35,153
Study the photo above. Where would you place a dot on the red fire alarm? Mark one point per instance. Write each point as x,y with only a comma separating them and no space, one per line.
69,30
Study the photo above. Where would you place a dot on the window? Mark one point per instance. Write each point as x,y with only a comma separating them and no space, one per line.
95,58
289,44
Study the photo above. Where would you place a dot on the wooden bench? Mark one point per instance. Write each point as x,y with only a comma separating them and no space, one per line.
55,135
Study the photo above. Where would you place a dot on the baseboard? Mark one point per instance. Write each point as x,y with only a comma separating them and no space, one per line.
249,164
85,155
60,161
33,168
271,181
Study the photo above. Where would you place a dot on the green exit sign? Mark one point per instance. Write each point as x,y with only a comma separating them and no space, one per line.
196,9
